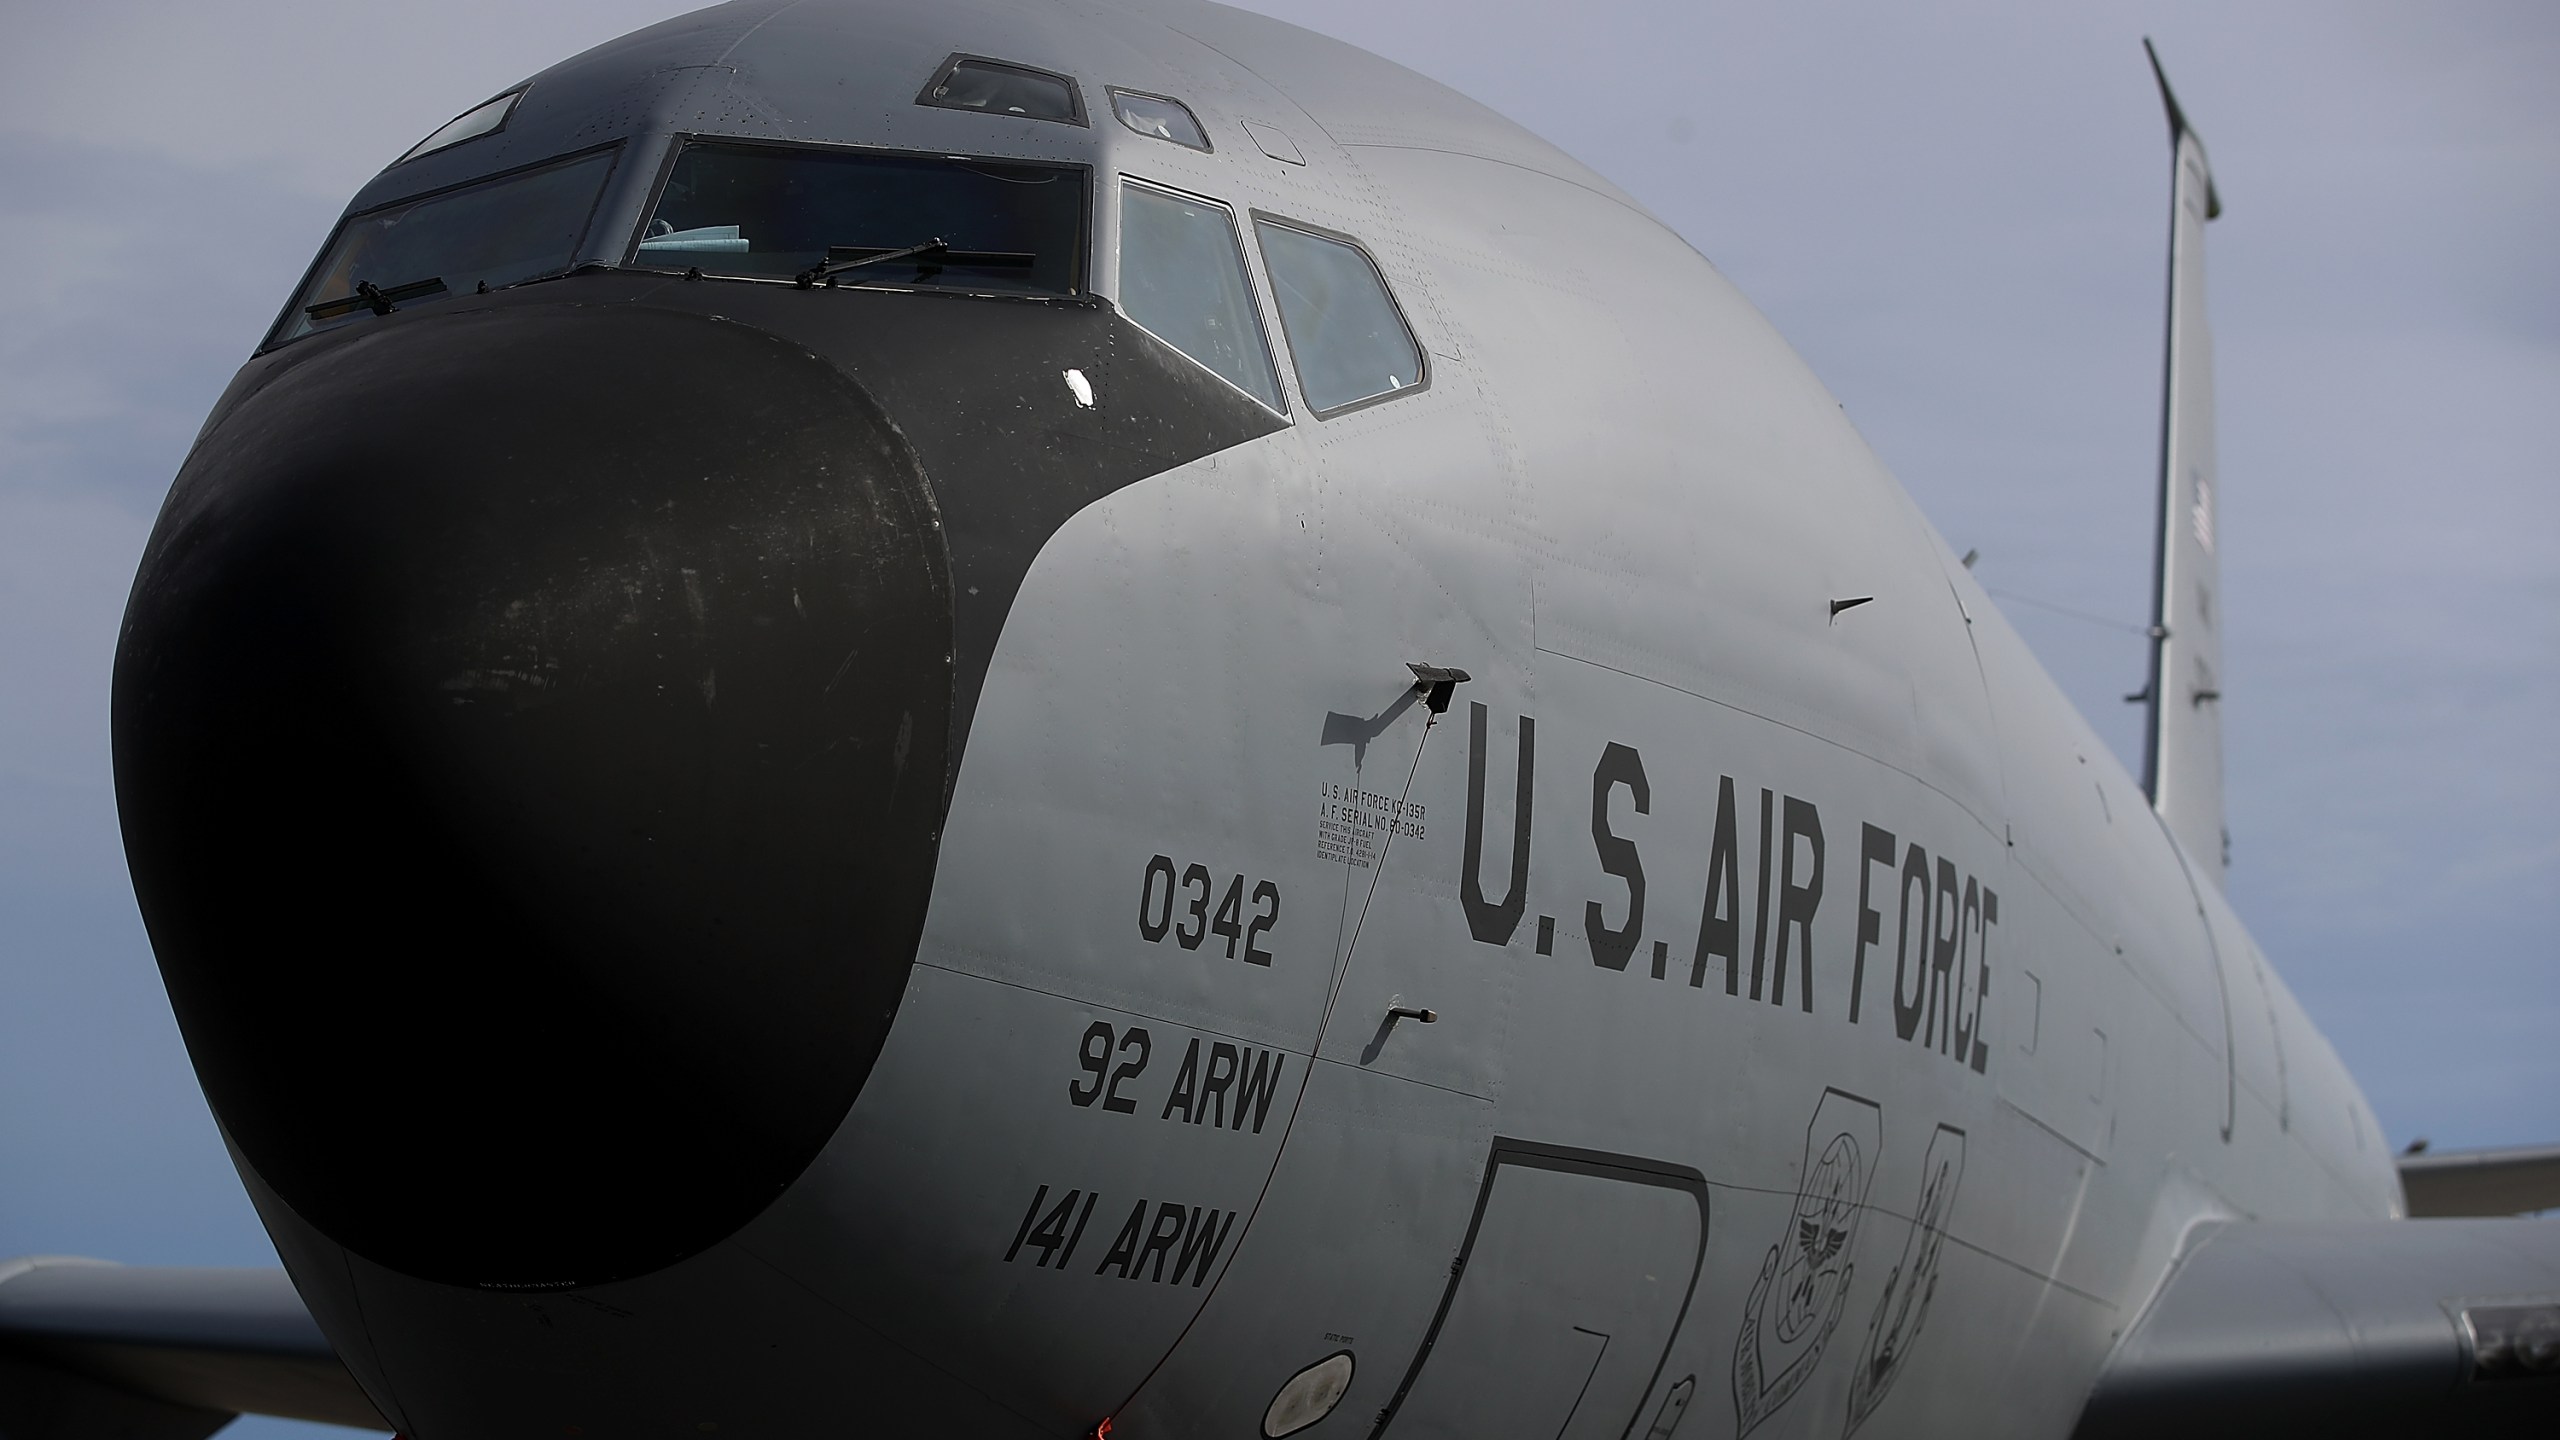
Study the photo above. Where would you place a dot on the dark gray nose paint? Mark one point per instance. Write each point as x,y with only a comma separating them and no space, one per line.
530,734
533,723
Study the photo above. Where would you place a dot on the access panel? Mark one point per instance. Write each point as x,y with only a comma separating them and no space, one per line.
1562,1305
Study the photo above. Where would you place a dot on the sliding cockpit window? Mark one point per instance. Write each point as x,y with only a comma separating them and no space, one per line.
1182,279
493,233
869,218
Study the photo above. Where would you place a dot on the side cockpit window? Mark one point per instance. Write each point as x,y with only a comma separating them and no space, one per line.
491,233
1182,278
1349,340
869,218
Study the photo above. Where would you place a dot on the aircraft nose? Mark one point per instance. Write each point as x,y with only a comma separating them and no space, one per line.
530,735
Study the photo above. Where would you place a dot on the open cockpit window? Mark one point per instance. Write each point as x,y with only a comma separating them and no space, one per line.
869,218
491,233
1182,279
1000,87
1345,332
487,118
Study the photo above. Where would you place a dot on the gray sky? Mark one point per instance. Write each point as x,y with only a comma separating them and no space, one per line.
1956,212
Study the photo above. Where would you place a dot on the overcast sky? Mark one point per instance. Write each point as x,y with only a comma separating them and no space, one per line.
1956,212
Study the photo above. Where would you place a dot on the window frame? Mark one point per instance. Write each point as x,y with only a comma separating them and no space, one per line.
615,147
1081,267
1245,257
1422,377
952,62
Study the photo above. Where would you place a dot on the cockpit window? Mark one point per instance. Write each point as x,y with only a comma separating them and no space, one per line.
1182,278
490,233
1000,87
486,118
870,218
1161,116
1344,329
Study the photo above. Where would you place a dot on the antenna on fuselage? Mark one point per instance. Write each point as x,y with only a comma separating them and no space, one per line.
2182,742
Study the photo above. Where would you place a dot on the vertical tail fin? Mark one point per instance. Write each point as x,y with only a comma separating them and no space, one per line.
2182,753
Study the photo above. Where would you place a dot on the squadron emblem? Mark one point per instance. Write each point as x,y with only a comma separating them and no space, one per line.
1804,1280
1914,1281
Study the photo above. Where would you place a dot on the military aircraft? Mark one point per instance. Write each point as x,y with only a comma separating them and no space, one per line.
1022,720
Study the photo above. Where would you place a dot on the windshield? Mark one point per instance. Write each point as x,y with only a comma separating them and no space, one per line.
766,212
497,232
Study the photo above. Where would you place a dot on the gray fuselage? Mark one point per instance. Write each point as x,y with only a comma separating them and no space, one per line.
1823,1032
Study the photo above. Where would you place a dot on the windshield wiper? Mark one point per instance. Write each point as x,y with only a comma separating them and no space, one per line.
930,257
369,296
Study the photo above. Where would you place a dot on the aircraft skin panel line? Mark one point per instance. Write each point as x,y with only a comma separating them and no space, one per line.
1118,721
